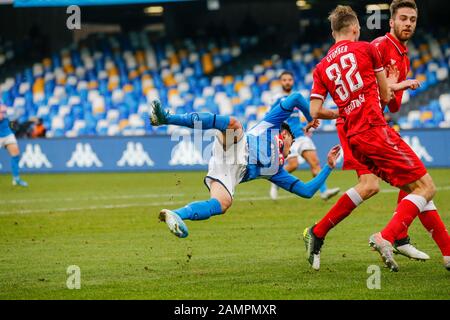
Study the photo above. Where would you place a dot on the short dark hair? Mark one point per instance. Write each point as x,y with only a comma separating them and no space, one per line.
342,17
285,126
398,4
286,72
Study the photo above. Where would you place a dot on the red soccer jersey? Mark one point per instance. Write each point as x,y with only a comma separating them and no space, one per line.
348,73
393,52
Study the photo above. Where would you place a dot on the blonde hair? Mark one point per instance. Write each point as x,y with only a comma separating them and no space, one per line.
342,17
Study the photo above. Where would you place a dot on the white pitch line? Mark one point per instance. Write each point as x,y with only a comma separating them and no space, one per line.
91,198
122,206
95,198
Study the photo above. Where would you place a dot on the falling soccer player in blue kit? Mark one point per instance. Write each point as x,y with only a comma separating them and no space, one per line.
239,157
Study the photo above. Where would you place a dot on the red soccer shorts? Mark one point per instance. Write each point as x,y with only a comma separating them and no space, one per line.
386,155
350,163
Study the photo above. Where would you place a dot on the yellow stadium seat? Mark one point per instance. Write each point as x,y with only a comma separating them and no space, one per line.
69,69
238,85
235,100
275,83
123,123
421,77
47,62
38,86
98,108
426,115
133,74
228,79
92,85
113,85
263,79
317,53
267,63
417,63
128,88
207,63
173,92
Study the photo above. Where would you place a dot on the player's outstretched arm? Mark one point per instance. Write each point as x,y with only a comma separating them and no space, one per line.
306,190
282,111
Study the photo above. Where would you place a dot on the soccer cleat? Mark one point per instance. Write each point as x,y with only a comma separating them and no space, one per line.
329,193
273,191
385,250
404,247
19,182
174,222
313,246
447,262
158,115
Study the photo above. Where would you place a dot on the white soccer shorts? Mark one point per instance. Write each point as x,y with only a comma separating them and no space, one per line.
9,139
227,166
300,145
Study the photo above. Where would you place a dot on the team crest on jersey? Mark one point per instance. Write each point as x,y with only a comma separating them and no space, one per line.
135,156
84,157
34,158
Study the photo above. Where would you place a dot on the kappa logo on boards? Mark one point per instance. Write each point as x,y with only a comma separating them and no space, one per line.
84,157
34,158
418,148
135,156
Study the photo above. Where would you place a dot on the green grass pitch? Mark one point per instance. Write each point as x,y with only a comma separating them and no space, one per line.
107,225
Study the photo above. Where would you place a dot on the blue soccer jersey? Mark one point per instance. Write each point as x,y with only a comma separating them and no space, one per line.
265,154
294,121
5,129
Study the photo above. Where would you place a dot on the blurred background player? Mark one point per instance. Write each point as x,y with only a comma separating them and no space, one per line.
303,145
239,157
371,141
9,142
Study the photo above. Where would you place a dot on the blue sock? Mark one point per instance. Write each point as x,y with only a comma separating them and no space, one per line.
200,210
323,188
15,166
209,120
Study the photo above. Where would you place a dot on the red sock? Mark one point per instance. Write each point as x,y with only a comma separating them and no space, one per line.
435,226
403,234
345,205
407,210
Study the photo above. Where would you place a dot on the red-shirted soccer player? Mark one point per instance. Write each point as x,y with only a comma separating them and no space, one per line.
395,61
353,73
394,52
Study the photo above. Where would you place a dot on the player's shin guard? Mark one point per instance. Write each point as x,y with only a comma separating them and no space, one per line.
208,120
200,210
433,223
407,210
345,205
15,166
